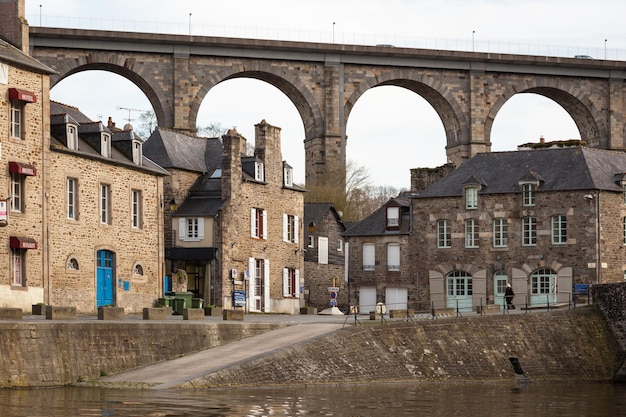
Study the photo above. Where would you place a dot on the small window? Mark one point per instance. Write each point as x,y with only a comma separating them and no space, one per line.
17,193
105,145
471,198
291,282
17,119
288,176
138,269
339,245
17,267
259,171
624,230
72,198
559,229
444,235
528,194
290,228
137,152
136,202
192,230
72,263
311,243
393,257
369,257
258,223
393,217
72,137
529,231
500,233
105,203
471,233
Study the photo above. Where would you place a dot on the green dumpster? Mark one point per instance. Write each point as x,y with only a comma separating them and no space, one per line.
178,304
196,302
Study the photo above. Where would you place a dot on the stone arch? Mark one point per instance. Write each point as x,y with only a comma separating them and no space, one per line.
431,89
163,117
290,85
592,130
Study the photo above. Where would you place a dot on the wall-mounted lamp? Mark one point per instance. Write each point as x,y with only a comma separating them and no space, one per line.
173,205
588,197
295,252
312,227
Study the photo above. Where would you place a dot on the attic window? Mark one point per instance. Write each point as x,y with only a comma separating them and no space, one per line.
393,217
72,137
217,173
105,145
259,171
471,198
137,152
288,176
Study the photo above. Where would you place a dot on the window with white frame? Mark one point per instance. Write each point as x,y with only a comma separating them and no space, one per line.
105,145
444,235
311,241
369,256
105,204
17,119
322,250
291,282
17,192
393,216
290,228
529,231
259,171
288,175
339,245
258,223
559,229
72,137
528,194
471,233
17,267
136,202
500,233
72,198
471,197
137,152
393,257
191,229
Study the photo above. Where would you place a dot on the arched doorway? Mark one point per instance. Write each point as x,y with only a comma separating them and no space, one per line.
543,287
500,279
459,291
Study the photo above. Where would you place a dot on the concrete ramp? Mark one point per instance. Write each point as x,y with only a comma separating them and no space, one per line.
178,371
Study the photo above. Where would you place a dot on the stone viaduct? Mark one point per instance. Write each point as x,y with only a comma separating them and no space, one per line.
324,81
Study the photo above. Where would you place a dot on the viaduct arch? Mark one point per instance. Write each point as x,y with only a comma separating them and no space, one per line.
324,81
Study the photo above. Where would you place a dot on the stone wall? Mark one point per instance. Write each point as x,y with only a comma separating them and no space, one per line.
54,354
574,345
611,299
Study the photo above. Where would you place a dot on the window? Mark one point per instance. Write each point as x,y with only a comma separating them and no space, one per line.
290,228
137,152
17,193
369,256
393,257
72,137
287,175
459,284
259,171
322,250
17,119
258,223
72,263
471,233
72,197
500,233
529,231
559,230
528,194
339,245
137,269
17,267
393,217
624,230
541,282
105,204
136,208
444,237
291,282
105,145
191,229
624,192
311,243
471,198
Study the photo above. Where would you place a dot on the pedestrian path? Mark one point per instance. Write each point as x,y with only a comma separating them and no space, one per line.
178,371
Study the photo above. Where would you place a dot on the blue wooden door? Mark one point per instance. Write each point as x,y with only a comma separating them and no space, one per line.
104,278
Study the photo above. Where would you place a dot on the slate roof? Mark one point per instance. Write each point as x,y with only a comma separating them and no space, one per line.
376,223
176,150
576,168
15,57
204,199
315,212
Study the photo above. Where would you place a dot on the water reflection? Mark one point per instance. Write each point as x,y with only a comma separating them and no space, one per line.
399,400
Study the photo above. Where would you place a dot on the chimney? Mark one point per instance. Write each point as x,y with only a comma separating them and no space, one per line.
110,123
542,140
232,144
13,24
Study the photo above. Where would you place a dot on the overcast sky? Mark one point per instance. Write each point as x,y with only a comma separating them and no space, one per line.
390,129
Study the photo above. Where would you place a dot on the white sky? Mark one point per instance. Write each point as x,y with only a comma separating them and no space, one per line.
390,130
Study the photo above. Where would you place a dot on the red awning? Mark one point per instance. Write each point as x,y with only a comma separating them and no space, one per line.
21,168
22,95
23,243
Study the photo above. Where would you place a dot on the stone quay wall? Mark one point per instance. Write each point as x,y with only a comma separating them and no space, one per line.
611,299
564,346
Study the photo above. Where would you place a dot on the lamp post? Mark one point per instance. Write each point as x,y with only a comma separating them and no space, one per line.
473,33
605,49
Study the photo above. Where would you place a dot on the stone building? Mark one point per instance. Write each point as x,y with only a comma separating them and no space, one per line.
105,215
236,227
24,139
541,220
324,257
380,260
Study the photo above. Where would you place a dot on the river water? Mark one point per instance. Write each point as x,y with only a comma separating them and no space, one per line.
373,400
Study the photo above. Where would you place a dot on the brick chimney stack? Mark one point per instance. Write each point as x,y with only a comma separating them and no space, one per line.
13,24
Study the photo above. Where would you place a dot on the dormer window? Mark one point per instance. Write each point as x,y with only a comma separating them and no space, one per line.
287,175
259,171
137,152
471,198
528,194
393,217
105,145
72,137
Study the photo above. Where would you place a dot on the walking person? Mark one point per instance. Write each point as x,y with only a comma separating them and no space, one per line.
508,296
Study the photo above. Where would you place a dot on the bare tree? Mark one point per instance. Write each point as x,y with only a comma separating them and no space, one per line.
213,130
147,124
